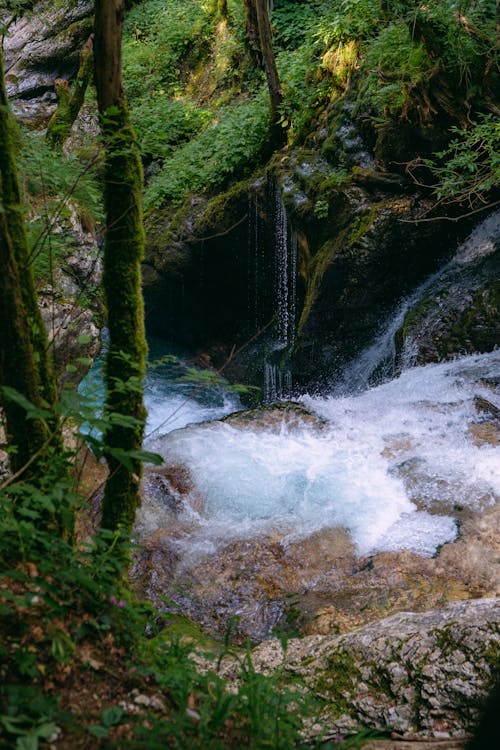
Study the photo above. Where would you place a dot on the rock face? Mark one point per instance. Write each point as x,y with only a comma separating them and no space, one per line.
70,308
424,673
41,47
216,271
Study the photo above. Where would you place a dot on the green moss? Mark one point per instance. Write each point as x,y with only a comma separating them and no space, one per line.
492,656
319,263
180,628
412,319
224,210
478,327
445,640
336,683
125,361
361,225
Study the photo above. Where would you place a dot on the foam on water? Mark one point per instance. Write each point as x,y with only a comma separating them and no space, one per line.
379,467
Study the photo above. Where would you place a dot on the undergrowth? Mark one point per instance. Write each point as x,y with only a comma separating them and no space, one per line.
57,189
84,664
201,109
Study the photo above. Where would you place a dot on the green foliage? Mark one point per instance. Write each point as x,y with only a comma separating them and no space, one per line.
157,36
321,209
165,123
301,94
396,64
469,168
228,146
29,716
262,712
422,41
47,174
49,181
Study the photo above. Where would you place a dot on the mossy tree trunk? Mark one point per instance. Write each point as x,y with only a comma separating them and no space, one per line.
18,369
70,101
123,252
13,207
24,351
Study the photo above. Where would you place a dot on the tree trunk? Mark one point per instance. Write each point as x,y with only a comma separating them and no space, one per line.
70,101
24,359
260,35
266,48
17,362
123,252
252,31
14,216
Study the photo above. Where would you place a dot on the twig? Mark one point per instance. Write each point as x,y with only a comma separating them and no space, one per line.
219,234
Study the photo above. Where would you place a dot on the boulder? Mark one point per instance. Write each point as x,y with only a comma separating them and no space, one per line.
41,47
422,674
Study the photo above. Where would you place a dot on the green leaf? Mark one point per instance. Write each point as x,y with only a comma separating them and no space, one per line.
98,731
112,715
147,457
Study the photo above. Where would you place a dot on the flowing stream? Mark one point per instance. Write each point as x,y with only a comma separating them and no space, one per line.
390,463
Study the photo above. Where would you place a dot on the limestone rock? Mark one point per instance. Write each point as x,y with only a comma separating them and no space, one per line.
41,47
424,673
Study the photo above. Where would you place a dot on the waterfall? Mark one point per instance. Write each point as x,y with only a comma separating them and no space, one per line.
277,372
380,361
256,264
285,245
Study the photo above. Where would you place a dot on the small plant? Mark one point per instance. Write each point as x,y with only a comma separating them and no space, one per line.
321,209
469,168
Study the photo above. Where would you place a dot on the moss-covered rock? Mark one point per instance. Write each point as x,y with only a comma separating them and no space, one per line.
425,674
459,314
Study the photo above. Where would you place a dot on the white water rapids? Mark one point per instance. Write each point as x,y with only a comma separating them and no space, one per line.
388,464
391,464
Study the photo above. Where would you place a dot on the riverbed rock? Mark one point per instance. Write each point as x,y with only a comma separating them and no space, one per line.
288,579
425,674
316,584
460,315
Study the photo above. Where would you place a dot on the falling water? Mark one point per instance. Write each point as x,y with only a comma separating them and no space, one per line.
378,362
255,263
277,374
286,271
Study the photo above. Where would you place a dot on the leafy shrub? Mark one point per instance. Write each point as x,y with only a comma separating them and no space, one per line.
470,167
395,64
49,180
157,36
226,147
165,123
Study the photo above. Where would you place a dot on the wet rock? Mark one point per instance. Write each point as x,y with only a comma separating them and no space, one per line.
275,417
315,584
172,488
